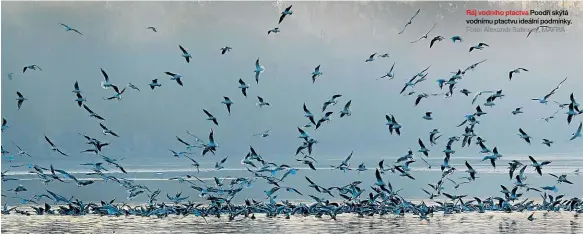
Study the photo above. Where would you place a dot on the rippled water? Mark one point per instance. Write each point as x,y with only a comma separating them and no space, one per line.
493,222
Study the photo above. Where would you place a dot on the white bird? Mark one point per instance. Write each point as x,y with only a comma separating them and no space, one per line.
261,103
20,99
185,54
67,28
225,49
287,11
263,134
544,100
346,111
243,87
275,30
154,84
31,67
175,76
152,28
316,73
518,110
228,103
371,58
258,70
105,84
427,116
577,134
389,74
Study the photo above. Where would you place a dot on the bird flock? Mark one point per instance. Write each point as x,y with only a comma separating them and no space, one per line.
354,198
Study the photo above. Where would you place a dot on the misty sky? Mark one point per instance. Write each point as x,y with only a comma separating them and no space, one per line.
339,36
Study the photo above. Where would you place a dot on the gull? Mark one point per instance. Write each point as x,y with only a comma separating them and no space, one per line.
92,114
303,134
133,87
536,29
471,171
517,70
389,74
274,30
524,136
531,217
425,35
10,74
575,104
422,148
211,117
228,103
152,28
437,38
561,179
332,101
80,99
538,166
185,54
409,83
316,73
485,149
410,21
309,115
154,84
53,147
225,49
106,131
385,55
178,154
544,99
325,118
473,66
577,133
433,137
117,94
518,110
105,83
258,70
465,92
175,77
478,94
263,134
571,113
31,67
370,58
456,38
211,146
547,142
76,88
261,103
243,87
194,163
480,46
219,165
403,172
20,151
287,11
346,111
428,116
490,101
4,125
20,99
67,28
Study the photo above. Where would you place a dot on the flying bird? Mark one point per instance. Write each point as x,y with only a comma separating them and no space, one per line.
20,99
80,99
456,38
67,28
316,73
105,84
54,148
152,28
185,54
261,103
211,117
371,58
130,85
176,77
517,70
243,87
410,21
106,131
544,100
346,111
227,101
287,11
92,114
274,30
389,74
258,70
435,39
536,29
31,67
425,35
480,46
524,136
225,49
154,84
577,133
